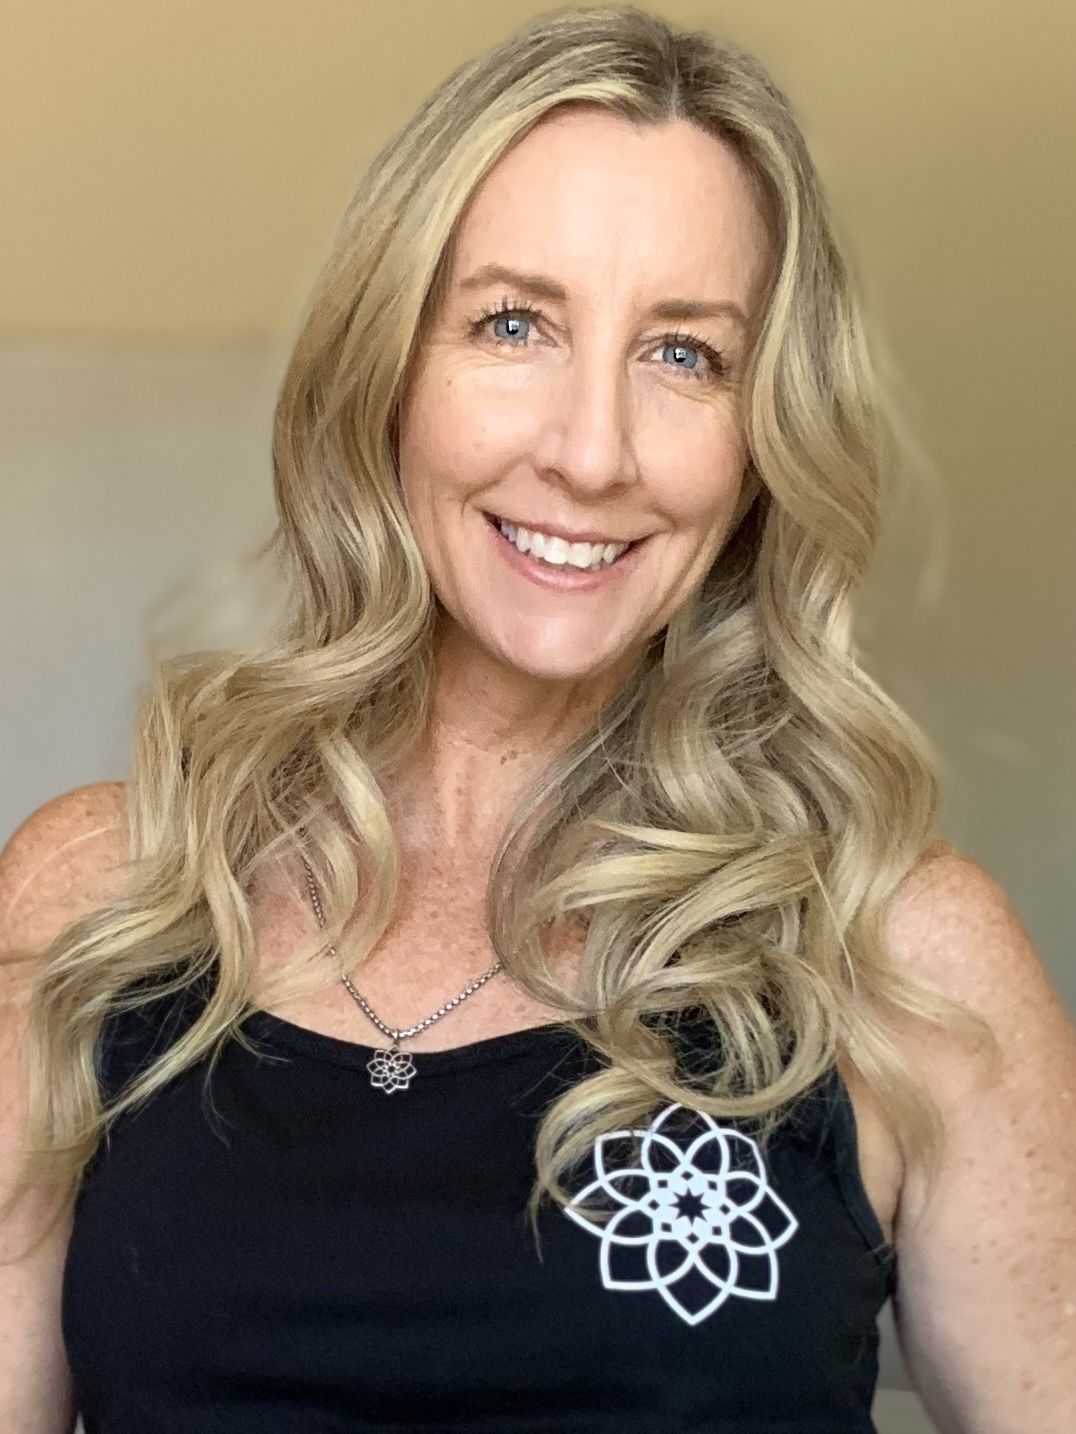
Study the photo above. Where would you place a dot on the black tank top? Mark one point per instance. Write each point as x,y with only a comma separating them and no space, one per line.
290,1249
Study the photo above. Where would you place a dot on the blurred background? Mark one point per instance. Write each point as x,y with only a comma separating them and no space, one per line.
172,175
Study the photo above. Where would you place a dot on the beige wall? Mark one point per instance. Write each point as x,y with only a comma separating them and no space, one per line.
172,175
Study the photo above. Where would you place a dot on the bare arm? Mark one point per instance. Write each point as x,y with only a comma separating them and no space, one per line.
986,1303
60,864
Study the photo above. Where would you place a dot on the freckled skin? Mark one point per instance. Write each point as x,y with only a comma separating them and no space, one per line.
584,416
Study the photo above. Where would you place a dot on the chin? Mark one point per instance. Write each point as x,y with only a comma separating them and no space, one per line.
567,665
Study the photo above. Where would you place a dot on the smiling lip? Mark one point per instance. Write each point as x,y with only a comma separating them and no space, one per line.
565,578
551,531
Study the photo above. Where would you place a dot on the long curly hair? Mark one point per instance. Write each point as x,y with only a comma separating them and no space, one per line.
726,833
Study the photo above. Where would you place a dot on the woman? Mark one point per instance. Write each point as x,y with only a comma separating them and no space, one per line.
577,463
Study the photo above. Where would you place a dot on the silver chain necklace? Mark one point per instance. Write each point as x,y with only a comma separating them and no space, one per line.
391,1069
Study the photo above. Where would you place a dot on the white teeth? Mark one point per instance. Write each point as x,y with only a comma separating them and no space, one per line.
557,552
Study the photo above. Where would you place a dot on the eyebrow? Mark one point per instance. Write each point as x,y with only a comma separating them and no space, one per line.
543,287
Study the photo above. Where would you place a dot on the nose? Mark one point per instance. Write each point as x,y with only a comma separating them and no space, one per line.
587,437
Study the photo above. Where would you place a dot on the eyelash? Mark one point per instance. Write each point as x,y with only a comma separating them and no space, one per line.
716,360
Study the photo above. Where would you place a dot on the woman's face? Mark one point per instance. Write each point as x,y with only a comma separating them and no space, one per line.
557,391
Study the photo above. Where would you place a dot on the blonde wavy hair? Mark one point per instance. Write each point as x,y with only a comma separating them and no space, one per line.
727,832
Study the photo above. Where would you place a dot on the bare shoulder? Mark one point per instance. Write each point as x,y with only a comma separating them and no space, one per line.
65,859
986,1249
953,924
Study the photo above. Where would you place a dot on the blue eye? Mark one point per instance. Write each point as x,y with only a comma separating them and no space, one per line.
513,314
714,360
680,348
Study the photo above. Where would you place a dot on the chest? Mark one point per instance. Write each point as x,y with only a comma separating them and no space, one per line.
438,945
341,1256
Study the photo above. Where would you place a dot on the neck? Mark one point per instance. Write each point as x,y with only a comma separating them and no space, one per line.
492,729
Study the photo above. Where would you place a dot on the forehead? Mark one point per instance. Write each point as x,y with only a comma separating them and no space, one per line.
602,204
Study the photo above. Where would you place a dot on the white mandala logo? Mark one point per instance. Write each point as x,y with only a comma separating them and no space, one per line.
703,1218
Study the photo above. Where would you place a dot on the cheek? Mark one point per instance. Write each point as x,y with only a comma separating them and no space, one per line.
446,446
701,511
694,458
